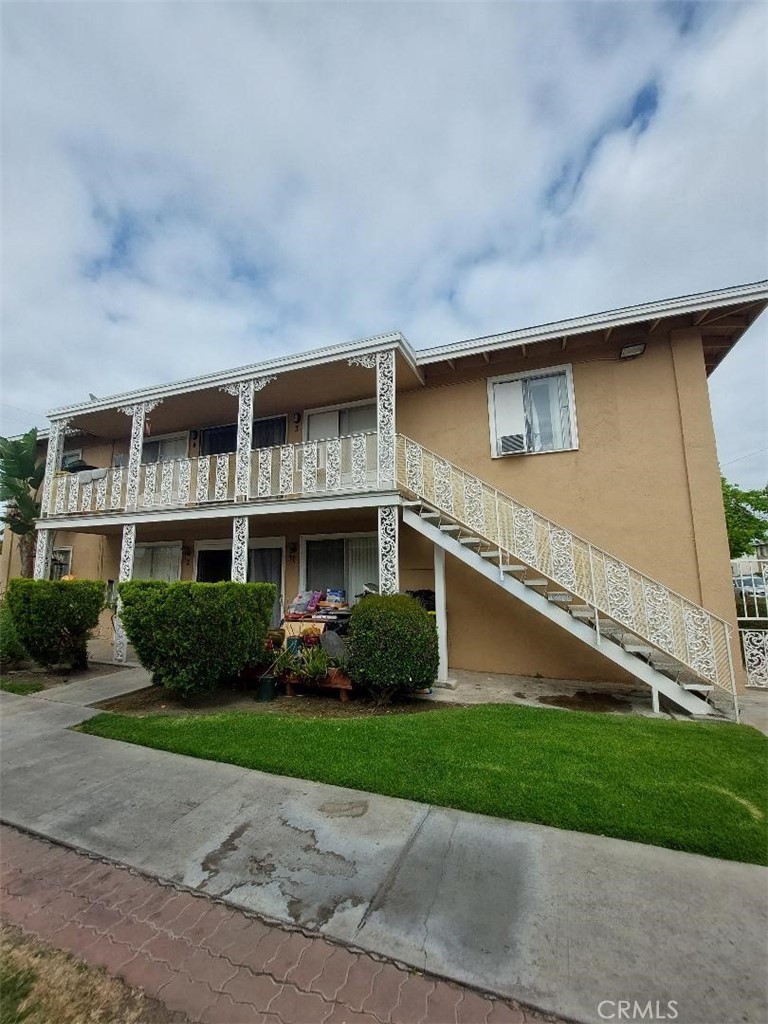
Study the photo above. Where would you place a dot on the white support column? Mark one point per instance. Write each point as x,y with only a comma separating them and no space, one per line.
240,549
53,456
43,552
385,416
244,391
125,573
441,614
389,570
384,364
139,414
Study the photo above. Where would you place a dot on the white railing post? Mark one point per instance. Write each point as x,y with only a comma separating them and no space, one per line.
138,414
498,535
244,391
125,573
53,457
240,549
43,552
384,364
389,569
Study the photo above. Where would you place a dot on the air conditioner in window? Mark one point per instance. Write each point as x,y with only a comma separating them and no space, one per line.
512,444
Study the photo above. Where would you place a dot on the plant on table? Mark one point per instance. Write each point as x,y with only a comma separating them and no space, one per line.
312,667
54,618
393,646
194,636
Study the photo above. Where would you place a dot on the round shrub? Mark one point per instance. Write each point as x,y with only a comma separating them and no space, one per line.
393,646
11,648
193,636
54,618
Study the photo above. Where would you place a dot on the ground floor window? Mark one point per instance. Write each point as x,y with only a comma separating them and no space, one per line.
157,562
61,563
341,563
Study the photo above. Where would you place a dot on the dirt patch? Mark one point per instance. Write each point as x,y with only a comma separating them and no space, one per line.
154,700
586,700
41,984
48,678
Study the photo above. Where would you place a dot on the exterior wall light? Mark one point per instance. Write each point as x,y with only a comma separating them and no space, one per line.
632,351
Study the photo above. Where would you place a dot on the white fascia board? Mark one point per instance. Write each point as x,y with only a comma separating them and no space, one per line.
723,297
283,364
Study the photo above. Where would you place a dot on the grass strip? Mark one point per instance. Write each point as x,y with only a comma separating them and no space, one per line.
686,786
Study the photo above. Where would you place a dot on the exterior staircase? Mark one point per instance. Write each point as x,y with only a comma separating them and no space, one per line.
679,649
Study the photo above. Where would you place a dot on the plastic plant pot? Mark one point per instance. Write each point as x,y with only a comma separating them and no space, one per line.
265,690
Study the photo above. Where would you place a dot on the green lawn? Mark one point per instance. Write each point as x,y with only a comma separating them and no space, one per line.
687,786
21,689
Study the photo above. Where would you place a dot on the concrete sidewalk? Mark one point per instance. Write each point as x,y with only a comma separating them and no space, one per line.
212,963
558,920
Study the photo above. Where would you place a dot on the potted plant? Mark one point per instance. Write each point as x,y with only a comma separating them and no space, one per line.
312,666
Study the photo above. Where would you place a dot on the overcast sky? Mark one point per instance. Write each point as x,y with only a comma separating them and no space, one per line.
194,186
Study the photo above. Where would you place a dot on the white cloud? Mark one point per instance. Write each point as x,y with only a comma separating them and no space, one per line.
191,186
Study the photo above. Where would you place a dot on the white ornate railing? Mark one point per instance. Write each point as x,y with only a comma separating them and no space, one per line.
750,582
338,465
669,622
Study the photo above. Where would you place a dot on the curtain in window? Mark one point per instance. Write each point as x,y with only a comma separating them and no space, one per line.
325,564
268,433
362,564
265,565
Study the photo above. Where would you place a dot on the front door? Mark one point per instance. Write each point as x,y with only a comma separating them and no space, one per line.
214,565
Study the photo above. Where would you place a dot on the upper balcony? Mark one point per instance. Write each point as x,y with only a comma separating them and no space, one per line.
311,468
310,425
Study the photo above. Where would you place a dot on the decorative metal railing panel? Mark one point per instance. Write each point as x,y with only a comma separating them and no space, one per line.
690,635
310,468
750,585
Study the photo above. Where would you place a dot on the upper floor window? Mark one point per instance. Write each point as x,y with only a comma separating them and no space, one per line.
267,433
532,412
340,422
164,449
71,458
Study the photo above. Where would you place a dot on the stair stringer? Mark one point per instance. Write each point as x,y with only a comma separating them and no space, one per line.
580,630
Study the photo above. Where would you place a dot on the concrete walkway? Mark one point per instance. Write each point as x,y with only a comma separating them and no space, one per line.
557,920
212,963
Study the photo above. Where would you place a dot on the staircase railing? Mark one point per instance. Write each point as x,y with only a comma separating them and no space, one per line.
669,622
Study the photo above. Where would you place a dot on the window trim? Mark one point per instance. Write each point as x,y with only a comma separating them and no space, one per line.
545,371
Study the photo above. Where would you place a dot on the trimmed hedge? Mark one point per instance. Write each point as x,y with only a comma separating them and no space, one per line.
54,618
11,648
393,645
193,636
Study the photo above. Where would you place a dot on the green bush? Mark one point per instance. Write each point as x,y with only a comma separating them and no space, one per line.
54,618
11,648
393,646
193,636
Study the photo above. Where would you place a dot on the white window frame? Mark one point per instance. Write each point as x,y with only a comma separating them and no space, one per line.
333,408
326,536
253,542
163,544
165,437
71,451
544,371
67,548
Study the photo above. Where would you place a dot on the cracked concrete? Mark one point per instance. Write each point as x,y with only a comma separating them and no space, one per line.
556,919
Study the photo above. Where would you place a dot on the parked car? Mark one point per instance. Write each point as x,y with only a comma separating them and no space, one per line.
755,586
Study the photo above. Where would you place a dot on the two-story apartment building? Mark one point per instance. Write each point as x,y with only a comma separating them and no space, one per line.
557,488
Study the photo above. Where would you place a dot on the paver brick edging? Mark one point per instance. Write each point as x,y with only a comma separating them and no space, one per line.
200,955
